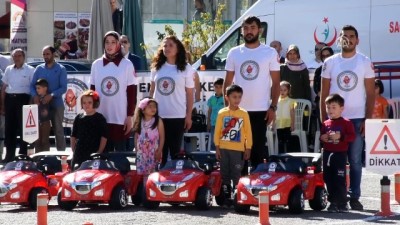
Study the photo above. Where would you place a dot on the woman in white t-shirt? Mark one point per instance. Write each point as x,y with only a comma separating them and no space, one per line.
172,86
113,77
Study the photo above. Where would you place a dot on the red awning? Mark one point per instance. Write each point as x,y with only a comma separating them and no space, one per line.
5,26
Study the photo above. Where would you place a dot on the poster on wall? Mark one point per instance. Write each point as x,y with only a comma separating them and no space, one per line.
71,34
18,31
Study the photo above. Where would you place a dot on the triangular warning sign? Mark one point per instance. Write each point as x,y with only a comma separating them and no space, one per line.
30,122
385,143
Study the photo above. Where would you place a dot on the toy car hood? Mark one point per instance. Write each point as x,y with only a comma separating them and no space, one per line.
88,176
175,176
266,180
8,177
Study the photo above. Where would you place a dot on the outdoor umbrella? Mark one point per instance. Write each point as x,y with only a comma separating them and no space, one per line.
101,23
133,28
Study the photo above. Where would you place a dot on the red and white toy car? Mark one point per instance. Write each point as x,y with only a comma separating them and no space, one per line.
107,178
185,180
23,179
290,179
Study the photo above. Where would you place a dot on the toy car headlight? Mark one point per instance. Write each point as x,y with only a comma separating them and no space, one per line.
272,187
180,184
245,181
96,183
188,177
12,186
154,177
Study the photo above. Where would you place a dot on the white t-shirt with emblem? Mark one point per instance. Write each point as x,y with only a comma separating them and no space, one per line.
347,77
111,82
252,72
170,92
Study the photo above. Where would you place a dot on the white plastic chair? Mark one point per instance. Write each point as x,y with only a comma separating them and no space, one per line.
272,140
201,136
301,106
394,104
317,142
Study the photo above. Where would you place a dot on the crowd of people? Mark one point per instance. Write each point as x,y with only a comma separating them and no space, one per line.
345,87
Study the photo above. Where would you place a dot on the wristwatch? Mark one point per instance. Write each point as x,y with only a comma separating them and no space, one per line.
273,107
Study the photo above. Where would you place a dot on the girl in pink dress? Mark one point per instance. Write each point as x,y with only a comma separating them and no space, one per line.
149,136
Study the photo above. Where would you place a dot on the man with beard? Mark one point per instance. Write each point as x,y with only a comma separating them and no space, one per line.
56,76
254,66
351,75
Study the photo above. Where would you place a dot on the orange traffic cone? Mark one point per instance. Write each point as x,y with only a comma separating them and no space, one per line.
397,187
42,200
263,203
385,198
64,164
87,223
347,177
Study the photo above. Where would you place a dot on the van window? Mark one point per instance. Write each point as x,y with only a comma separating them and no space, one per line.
217,59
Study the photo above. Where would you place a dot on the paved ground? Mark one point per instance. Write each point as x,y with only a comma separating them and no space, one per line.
188,214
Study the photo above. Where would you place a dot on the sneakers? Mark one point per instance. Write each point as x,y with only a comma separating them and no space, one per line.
332,208
356,205
343,208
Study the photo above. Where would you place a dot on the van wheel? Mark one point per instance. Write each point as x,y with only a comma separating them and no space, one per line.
220,199
65,205
203,198
320,199
33,196
137,199
239,208
296,201
119,199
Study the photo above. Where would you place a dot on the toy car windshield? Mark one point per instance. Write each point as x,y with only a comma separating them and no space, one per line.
180,164
96,164
20,166
270,167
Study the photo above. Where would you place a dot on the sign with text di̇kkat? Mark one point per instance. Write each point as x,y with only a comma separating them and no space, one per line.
382,147
30,123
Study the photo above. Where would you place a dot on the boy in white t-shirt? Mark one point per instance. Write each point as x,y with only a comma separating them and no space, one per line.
351,75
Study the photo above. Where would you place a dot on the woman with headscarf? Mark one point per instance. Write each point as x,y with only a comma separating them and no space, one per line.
112,76
295,72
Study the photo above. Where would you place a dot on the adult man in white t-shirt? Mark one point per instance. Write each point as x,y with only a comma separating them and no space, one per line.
351,75
254,66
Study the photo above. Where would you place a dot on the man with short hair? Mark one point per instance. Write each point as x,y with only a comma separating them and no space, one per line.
254,66
15,94
316,62
126,45
277,45
351,75
56,76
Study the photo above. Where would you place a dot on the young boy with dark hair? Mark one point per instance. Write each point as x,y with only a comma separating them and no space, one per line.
43,143
214,103
336,134
233,140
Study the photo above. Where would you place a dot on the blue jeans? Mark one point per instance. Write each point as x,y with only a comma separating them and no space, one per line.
212,131
355,160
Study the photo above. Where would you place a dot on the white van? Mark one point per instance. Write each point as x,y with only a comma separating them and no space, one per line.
306,22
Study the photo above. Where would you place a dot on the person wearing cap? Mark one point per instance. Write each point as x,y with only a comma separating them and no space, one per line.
295,72
56,76
15,94
113,77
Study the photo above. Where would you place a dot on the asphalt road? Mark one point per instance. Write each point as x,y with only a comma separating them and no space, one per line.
188,214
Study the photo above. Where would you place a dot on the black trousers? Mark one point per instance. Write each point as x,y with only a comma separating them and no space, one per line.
284,135
258,130
334,165
13,124
173,138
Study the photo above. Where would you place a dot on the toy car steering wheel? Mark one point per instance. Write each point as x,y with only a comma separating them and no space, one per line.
23,157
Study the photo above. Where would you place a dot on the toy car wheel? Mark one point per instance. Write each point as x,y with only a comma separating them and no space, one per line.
320,199
296,201
33,196
203,198
119,199
239,208
137,199
149,204
220,199
65,205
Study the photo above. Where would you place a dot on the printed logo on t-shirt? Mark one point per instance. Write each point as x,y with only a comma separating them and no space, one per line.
109,86
232,129
166,85
347,80
249,70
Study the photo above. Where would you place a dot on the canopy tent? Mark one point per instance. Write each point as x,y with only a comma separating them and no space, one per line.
133,28
101,23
